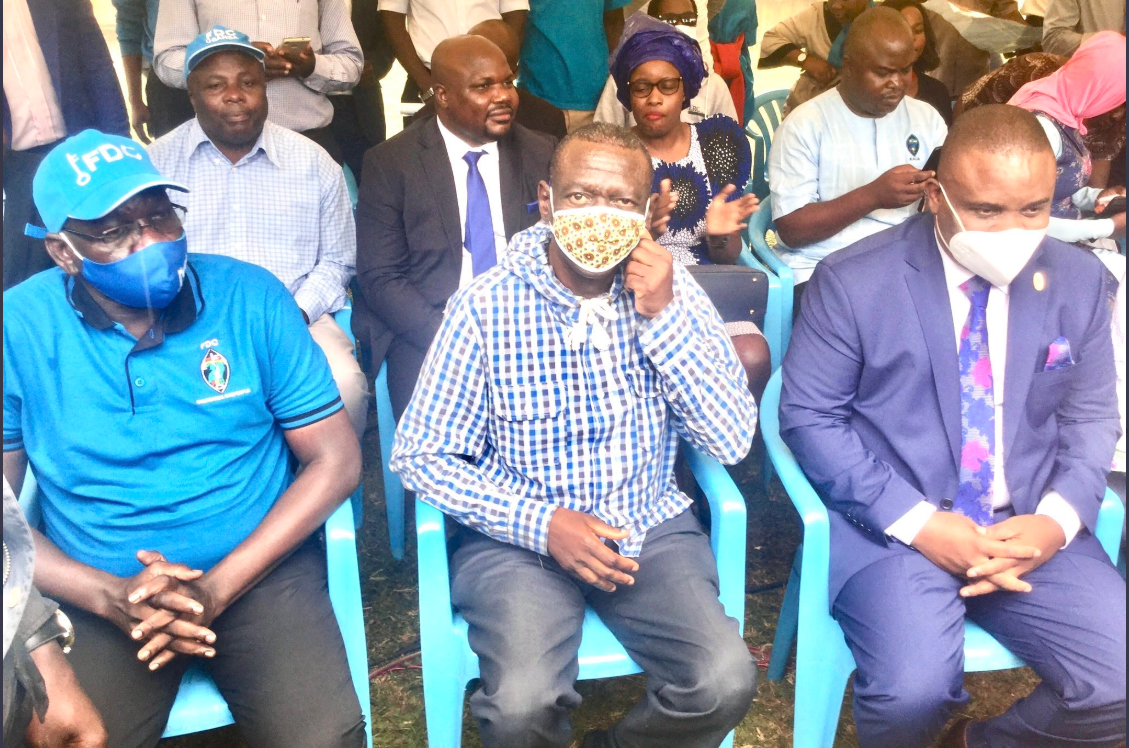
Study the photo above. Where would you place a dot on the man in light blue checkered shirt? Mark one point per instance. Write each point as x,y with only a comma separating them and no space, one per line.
546,421
265,195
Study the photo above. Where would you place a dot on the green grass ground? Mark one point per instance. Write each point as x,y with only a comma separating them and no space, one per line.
390,600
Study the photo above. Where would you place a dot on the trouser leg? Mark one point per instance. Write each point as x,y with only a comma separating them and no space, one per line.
134,702
1070,629
168,107
404,364
903,619
701,678
352,383
525,616
281,664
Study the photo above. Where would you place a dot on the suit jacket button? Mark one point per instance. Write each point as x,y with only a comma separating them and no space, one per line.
946,504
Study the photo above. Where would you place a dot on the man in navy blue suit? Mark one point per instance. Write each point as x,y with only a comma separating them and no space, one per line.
58,81
950,392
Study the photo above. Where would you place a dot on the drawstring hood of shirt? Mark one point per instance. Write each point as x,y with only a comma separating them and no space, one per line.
583,320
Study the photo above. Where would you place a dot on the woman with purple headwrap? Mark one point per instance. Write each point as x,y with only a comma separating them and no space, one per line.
707,164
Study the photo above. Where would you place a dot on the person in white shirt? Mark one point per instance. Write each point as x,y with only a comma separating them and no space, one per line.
438,205
849,162
416,27
714,97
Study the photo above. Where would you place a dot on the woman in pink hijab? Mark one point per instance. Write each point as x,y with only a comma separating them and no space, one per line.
1091,83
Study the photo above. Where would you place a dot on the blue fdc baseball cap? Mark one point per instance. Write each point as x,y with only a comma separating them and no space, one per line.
88,176
218,39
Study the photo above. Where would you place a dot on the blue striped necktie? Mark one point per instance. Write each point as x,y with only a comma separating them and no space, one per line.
479,230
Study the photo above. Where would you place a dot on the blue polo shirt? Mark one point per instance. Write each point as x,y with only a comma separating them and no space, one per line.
174,442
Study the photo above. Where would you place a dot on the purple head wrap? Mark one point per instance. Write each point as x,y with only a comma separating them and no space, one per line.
646,39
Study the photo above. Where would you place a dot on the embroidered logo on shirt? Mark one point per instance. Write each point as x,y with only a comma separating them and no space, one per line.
913,145
215,370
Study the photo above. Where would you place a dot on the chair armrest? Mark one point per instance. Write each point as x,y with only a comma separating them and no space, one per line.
345,594
816,554
1110,524
728,528
29,499
435,615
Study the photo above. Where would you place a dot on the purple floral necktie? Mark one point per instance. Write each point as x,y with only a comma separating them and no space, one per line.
977,410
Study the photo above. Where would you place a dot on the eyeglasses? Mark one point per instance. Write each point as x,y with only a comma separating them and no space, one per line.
641,89
168,220
679,19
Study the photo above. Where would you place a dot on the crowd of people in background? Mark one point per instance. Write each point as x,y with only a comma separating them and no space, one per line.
520,260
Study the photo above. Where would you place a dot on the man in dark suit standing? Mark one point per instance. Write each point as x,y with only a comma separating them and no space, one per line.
438,205
894,404
58,81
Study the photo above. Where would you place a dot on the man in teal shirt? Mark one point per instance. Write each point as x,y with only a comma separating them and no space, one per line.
564,59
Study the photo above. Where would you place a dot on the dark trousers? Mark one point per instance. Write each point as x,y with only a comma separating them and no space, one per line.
280,664
404,364
325,137
169,107
23,256
525,615
904,622
358,124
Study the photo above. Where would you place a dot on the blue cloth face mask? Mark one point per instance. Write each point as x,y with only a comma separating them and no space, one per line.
147,279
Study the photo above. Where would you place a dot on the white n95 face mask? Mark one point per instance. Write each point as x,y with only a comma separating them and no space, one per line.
996,256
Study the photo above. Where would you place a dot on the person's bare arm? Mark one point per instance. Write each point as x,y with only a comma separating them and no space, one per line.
396,27
817,221
138,110
71,719
516,21
613,27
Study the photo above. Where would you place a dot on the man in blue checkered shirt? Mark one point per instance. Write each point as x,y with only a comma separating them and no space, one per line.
546,422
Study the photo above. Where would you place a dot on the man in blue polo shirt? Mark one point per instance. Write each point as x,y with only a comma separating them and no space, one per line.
159,397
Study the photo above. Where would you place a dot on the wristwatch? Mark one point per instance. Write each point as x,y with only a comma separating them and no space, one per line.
57,627
426,96
802,56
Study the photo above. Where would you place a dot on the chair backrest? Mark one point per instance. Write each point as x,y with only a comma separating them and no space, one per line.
769,111
739,293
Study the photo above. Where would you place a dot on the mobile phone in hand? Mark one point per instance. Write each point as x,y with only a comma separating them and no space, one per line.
1114,206
292,46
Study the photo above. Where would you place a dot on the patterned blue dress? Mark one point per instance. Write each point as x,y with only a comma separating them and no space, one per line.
719,155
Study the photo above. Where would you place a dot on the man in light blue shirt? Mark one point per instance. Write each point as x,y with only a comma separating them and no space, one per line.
265,195
848,163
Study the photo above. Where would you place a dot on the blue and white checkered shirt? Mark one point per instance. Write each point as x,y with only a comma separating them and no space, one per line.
284,206
509,421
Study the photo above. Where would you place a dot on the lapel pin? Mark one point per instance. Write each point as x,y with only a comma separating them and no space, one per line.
1039,281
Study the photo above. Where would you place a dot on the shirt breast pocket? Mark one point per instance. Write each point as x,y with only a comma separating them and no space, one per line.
1048,388
530,424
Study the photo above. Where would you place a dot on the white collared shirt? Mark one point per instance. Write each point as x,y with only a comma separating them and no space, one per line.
490,168
432,21
1052,505
36,116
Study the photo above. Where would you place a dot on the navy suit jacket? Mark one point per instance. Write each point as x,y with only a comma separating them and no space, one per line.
871,403
81,70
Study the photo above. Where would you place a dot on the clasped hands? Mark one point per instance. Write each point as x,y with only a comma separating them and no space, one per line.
167,608
991,558
281,63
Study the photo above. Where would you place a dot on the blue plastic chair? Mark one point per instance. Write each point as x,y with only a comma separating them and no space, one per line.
199,705
760,223
448,661
350,185
344,318
769,111
823,661
393,487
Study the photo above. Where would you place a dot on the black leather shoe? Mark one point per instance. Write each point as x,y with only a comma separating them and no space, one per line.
595,739
956,737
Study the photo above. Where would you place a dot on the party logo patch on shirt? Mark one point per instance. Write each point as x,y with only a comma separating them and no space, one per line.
913,145
216,370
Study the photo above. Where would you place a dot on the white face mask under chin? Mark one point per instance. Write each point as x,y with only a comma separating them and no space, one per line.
996,256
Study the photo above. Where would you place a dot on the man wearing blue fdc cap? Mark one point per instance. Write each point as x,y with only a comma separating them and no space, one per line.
159,397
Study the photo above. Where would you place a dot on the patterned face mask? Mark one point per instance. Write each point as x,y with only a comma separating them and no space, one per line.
597,239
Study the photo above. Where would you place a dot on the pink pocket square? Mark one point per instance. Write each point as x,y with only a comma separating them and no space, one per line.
1058,355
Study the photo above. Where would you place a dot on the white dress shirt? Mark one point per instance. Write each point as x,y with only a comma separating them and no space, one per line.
36,116
1052,505
432,21
489,166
